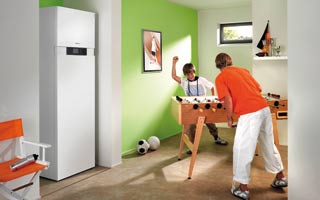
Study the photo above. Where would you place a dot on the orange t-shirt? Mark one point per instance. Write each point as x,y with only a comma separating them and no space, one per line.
244,90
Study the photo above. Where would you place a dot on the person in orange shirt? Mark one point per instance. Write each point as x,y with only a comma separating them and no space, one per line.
241,94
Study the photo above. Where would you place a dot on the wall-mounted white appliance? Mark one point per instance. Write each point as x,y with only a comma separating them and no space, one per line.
67,90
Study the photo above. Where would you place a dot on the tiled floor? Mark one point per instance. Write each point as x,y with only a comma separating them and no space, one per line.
159,175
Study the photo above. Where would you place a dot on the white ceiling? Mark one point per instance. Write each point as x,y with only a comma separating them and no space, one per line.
211,4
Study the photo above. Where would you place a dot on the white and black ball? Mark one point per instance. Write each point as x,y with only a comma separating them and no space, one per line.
154,142
142,147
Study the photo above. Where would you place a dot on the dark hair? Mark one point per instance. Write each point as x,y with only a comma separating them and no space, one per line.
188,67
223,60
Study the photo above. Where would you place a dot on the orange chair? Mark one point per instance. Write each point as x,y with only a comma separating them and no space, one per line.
11,136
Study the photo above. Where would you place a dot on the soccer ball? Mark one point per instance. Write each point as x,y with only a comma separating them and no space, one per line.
142,146
154,142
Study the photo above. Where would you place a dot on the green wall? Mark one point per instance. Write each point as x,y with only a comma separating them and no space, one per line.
146,97
47,3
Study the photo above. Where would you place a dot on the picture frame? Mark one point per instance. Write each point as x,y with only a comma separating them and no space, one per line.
152,50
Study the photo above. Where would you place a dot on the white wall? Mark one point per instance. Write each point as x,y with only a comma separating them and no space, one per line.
108,67
19,67
271,74
208,23
303,93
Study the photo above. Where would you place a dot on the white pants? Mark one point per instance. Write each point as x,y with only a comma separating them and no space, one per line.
252,128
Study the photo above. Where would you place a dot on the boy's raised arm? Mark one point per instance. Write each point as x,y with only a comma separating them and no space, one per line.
173,72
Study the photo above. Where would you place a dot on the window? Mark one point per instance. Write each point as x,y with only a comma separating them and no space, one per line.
235,33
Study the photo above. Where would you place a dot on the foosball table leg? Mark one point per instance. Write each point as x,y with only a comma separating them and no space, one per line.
184,131
196,144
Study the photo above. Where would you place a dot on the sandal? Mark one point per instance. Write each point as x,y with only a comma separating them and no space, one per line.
236,191
189,152
220,141
279,183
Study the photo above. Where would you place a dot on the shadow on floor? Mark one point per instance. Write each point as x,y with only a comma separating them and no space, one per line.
159,175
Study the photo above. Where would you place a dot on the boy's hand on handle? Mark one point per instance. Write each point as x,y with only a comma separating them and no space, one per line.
230,123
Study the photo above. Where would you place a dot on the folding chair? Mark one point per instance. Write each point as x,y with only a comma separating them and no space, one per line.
11,135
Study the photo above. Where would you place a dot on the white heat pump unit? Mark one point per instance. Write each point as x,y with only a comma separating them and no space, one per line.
67,90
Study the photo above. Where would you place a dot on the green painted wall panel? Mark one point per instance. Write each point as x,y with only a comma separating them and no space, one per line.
47,3
146,97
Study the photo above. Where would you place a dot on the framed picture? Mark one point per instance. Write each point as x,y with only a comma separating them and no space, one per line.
152,50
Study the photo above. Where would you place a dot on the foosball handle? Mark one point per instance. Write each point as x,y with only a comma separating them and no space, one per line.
196,106
277,96
207,106
179,99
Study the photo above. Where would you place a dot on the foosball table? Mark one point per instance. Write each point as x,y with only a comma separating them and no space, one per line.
208,109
